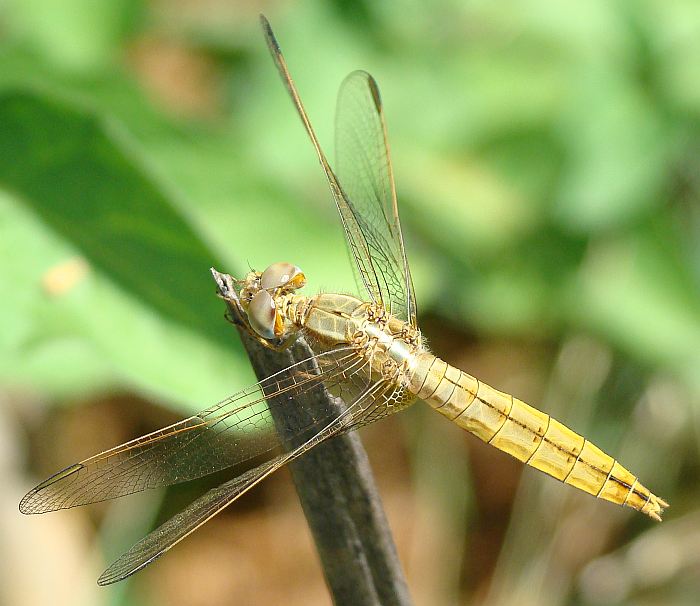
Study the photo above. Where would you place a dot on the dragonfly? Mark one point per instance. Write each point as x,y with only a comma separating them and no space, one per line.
368,351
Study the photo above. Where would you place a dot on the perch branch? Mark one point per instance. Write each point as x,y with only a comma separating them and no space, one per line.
336,489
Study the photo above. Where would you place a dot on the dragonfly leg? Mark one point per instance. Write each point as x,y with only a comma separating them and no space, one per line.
277,344
235,313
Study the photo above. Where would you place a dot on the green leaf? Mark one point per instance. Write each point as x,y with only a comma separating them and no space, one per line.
620,153
637,293
149,315
77,173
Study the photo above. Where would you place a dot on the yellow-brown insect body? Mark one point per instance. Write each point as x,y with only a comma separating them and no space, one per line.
394,350
528,434
388,344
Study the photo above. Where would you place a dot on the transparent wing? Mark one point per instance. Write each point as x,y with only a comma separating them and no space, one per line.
373,398
232,432
155,544
363,167
362,250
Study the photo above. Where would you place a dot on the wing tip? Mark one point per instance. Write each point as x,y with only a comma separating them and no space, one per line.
32,503
371,85
269,35
374,89
116,572
25,505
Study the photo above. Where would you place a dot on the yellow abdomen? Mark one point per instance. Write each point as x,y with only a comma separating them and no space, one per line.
528,434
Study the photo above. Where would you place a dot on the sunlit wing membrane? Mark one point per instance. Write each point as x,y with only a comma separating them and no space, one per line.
389,400
363,167
155,544
374,397
230,433
359,247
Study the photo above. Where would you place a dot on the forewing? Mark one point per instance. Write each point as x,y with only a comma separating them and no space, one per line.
373,397
230,433
363,167
359,247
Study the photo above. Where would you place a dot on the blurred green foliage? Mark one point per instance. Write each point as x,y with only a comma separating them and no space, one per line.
550,185
546,154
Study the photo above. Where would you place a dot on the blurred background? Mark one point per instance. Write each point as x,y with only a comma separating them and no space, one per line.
547,159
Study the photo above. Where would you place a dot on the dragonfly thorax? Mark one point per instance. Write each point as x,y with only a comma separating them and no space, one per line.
387,343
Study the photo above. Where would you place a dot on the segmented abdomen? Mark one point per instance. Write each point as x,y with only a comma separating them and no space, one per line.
528,434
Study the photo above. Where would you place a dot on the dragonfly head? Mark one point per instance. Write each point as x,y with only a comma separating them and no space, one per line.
259,297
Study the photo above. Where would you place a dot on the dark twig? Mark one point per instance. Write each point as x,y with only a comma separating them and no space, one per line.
336,490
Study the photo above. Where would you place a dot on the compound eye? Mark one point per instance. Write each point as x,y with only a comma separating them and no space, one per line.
262,314
280,275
